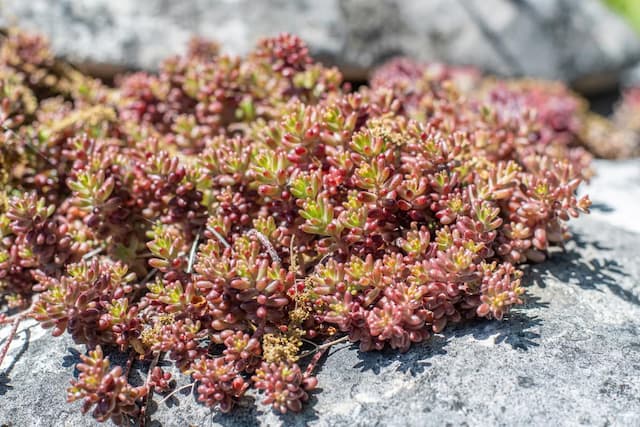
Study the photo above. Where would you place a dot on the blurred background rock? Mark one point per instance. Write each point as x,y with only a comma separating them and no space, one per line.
582,42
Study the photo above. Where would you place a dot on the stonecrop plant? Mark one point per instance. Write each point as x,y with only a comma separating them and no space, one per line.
237,216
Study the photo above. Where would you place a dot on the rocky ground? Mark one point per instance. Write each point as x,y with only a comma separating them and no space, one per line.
569,356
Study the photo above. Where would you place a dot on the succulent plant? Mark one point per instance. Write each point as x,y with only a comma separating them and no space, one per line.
227,213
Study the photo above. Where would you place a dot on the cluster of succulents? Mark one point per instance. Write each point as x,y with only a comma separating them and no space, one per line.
562,116
624,133
237,215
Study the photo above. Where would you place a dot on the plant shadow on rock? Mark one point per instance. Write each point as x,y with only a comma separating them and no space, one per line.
5,380
602,207
71,359
516,330
173,401
413,361
246,413
573,268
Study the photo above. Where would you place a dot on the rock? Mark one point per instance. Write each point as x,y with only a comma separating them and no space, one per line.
571,40
570,355
615,193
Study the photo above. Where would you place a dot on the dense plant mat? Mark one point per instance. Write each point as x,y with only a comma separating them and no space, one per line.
237,216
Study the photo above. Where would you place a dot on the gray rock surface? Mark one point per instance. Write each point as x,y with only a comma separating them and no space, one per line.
559,39
569,356
615,193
